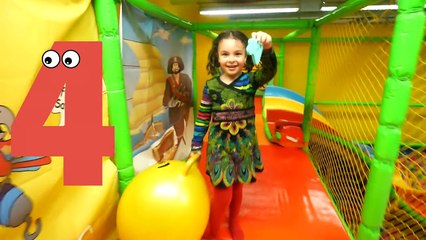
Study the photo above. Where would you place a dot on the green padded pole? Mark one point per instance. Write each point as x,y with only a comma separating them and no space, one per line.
107,21
311,82
405,49
344,9
296,33
250,25
209,34
281,66
342,39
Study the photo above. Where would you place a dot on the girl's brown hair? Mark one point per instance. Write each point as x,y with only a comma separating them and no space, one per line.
213,60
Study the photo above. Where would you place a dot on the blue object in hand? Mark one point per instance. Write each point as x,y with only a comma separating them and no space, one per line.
255,49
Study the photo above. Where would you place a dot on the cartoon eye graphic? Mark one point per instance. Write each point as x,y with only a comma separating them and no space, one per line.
50,59
71,59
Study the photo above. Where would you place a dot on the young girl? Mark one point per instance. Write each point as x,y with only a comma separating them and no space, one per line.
227,111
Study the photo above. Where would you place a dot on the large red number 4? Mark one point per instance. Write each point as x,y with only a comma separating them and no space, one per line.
82,140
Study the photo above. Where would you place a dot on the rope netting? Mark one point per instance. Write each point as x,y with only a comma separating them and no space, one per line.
352,70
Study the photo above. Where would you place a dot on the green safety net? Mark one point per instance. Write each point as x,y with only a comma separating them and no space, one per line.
352,70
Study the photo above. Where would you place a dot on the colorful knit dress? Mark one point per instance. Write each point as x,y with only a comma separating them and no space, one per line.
233,152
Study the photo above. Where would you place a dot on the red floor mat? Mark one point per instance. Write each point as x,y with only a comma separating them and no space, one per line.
288,200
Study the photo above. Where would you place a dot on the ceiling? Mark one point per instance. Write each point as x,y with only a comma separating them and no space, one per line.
308,9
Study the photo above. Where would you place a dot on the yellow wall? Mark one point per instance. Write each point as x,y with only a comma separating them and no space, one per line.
334,82
66,212
203,47
188,12
296,54
184,11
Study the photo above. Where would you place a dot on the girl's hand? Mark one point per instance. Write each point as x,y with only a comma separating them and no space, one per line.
193,153
196,154
263,38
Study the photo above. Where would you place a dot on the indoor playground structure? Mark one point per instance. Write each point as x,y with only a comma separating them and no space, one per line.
341,127
282,110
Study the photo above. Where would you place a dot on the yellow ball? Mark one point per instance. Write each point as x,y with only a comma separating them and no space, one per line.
168,200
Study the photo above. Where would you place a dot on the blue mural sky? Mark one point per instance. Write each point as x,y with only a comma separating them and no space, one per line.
170,39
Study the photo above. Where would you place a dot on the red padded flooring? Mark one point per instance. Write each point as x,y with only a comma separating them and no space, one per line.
288,200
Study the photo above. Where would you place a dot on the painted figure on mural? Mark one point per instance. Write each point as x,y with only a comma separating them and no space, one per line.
178,96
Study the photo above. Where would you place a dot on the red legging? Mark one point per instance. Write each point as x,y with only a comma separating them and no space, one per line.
224,198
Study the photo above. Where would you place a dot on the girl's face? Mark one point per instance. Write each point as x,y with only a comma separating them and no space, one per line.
232,57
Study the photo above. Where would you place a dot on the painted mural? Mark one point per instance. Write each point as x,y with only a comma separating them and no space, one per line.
157,59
